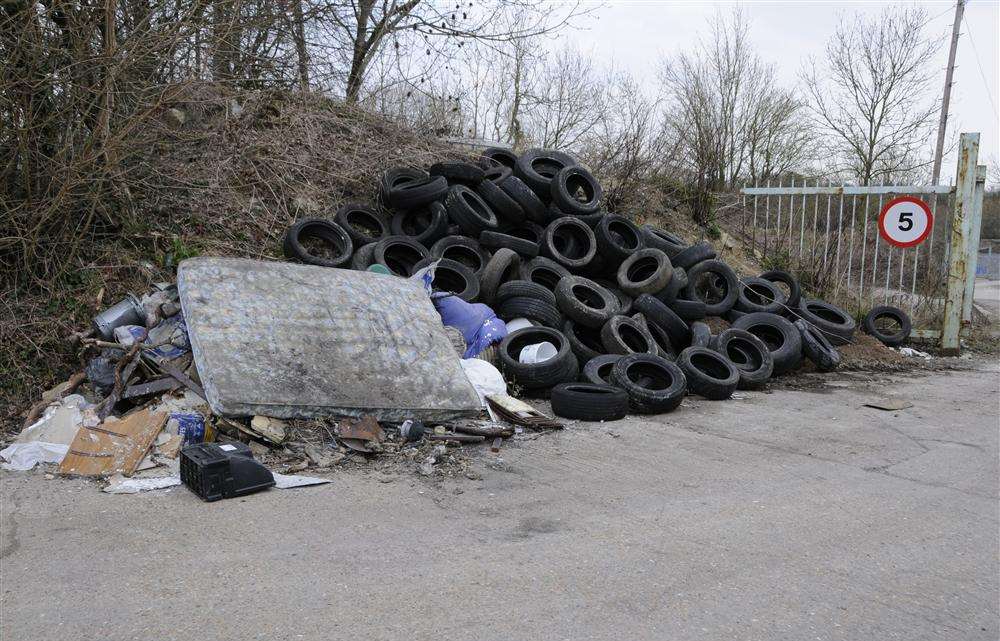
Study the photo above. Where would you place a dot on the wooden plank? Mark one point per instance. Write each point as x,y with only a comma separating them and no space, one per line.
114,446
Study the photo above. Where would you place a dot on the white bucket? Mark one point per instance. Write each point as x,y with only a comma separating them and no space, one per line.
537,353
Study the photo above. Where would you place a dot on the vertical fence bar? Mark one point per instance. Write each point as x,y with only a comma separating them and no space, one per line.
840,234
826,235
864,251
850,256
812,249
916,260
877,237
777,226
767,218
961,233
753,242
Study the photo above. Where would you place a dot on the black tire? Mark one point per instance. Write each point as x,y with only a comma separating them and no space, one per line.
588,402
462,173
544,271
646,271
497,240
533,207
569,242
617,238
523,289
395,178
623,299
693,255
537,167
505,207
626,335
892,338
452,277
586,302
503,266
664,346
689,310
572,181
709,373
656,312
598,369
584,341
817,348
426,225
407,192
701,334
561,368
590,220
399,254
654,385
779,334
669,244
362,223
526,230
748,354
497,156
760,295
782,277
463,250
719,275
677,283
537,311
363,257
733,314
337,244
835,323
467,210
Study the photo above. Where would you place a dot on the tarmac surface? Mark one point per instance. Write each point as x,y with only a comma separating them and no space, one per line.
787,515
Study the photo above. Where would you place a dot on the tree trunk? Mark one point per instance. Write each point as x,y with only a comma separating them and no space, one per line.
299,35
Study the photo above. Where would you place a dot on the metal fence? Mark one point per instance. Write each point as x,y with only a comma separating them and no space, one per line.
828,236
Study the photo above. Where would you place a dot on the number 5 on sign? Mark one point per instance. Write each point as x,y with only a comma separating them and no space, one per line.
905,221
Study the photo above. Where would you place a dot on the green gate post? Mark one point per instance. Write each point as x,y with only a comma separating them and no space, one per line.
961,235
977,224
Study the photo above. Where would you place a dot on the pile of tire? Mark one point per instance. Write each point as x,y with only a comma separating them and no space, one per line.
623,305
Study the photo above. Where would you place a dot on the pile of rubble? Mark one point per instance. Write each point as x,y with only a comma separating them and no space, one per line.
505,272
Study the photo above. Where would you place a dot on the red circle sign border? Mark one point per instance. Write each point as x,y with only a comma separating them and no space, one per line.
915,241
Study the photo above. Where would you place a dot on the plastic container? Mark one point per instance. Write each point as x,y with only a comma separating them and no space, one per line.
216,471
537,353
515,324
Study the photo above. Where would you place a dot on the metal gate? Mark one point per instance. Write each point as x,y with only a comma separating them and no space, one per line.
827,235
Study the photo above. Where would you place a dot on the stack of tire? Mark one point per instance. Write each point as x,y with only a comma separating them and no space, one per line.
623,305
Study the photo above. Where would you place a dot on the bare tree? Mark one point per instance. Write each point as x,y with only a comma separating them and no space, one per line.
729,117
870,97
362,30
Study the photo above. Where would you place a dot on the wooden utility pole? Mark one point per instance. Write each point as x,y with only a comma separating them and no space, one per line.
946,98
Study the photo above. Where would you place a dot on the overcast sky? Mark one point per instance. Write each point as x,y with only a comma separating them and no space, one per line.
635,34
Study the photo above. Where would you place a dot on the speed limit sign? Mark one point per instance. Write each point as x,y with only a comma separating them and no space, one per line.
905,221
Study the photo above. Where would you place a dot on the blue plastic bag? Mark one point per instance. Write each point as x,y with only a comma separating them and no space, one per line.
478,323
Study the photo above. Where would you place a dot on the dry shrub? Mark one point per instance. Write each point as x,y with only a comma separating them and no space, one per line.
226,182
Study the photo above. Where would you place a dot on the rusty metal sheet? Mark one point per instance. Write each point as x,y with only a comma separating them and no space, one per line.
301,341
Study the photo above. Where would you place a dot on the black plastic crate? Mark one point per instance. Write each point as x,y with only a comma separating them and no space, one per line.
216,471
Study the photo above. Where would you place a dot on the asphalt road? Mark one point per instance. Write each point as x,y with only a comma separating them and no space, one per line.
792,515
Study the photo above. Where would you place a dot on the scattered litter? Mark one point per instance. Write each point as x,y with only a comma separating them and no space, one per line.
114,446
486,379
537,353
411,430
286,481
127,311
269,429
119,484
58,424
888,404
520,413
189,427
914,353
216,471
24,456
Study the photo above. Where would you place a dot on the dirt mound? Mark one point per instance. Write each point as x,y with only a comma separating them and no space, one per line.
216,173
